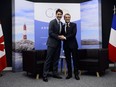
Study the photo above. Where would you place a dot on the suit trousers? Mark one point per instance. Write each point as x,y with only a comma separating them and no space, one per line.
53,55
71,53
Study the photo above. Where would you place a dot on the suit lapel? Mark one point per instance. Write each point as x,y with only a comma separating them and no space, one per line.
69,28
56,25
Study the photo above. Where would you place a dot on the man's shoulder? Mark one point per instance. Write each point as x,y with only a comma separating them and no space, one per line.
72,23
54,20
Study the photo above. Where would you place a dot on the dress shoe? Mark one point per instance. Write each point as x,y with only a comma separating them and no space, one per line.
77,77
45,79
57,76
68,77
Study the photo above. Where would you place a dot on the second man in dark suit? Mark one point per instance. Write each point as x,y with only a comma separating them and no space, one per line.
70,46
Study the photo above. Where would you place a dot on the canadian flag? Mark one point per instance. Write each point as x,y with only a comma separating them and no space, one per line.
3,63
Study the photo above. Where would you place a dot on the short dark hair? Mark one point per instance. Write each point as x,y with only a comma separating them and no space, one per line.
59,10
67,14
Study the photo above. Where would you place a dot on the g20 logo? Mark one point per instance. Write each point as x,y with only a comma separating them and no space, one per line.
50,12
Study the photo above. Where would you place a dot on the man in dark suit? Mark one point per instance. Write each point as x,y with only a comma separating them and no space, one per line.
70,46
53,46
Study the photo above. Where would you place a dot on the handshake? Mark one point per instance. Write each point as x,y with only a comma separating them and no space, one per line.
62,37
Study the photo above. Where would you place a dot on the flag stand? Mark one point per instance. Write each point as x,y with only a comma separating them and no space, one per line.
0,74
114,68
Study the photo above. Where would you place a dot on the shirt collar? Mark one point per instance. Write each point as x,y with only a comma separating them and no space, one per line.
68,24
57,20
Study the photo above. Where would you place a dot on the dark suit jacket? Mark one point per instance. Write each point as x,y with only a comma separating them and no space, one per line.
70,35
53,40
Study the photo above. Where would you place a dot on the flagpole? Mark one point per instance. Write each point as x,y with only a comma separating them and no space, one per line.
114,9
114,68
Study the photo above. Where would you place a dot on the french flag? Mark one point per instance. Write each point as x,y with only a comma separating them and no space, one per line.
112,41
3,63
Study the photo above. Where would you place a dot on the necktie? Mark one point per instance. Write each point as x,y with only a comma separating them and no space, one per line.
66,27
66,24
60,27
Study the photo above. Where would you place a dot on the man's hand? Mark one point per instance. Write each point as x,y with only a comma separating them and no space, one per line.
62,37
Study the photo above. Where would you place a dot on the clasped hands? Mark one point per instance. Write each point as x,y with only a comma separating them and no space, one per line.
62,37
